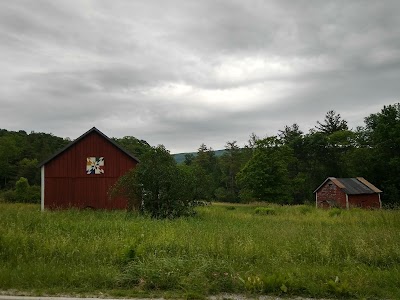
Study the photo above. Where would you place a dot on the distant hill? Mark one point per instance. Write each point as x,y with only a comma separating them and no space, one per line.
180,157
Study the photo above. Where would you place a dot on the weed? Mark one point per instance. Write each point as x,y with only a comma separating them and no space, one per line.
337,288
306,209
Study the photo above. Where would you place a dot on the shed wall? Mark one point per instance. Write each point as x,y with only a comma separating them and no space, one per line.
68,185
330,195
365,201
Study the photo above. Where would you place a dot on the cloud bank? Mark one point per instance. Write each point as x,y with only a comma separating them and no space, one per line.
182,73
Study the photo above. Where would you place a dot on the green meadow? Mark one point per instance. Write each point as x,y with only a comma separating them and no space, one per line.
244,249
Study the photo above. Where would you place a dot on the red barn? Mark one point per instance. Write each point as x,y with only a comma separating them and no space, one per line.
347,193
81,174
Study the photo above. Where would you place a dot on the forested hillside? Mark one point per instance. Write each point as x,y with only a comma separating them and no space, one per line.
180,157
285,168
20,154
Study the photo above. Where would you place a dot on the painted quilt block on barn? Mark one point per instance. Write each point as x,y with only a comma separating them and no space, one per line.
95,165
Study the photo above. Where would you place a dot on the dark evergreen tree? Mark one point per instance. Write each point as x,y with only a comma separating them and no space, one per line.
333,122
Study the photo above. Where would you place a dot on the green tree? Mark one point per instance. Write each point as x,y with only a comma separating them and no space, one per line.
290,134
157,186
19,152
293,137
9,152
28,168
251,145
129,187
383,135
133,145
323,152
265,176
230,163
207,173
189,158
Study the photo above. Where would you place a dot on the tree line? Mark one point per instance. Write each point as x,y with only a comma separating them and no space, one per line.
284,168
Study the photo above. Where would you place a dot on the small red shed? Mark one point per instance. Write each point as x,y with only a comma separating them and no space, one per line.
347,193
81,174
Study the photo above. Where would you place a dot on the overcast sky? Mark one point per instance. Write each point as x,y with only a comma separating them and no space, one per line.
182,73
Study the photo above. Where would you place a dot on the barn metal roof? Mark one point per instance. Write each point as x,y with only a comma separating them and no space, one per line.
94,129
353,186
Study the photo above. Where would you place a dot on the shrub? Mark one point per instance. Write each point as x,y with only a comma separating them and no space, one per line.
21,189
23,192
9,196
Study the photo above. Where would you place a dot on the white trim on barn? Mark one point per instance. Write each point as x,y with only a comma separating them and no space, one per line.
347,201
380,201
42,188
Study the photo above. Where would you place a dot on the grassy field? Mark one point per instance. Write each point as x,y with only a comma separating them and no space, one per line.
277,250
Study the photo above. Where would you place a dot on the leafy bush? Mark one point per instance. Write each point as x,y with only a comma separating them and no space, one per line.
23,192
9,196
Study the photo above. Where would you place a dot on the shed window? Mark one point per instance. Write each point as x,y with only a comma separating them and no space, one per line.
94,165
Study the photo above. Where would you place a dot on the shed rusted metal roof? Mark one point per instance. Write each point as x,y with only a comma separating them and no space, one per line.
353,186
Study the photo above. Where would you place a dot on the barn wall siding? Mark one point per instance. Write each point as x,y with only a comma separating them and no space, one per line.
67,184
365,201
330,195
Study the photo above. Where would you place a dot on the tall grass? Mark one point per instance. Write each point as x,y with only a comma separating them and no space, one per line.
295,251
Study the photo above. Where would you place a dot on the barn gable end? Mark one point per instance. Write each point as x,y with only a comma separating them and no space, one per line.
81,174
347,193
330,194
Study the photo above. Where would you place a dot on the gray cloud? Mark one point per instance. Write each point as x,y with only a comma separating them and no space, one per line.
181,73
